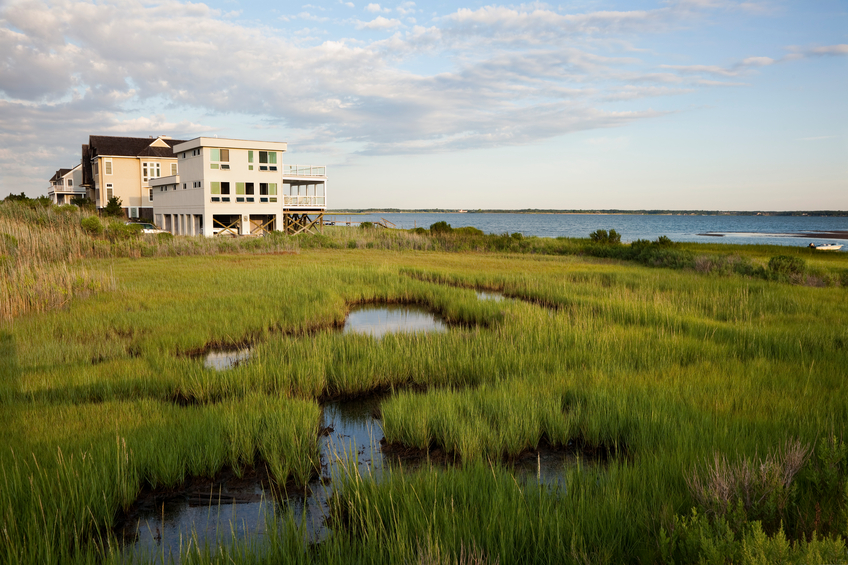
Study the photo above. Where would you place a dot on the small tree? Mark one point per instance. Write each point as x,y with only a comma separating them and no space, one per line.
113,207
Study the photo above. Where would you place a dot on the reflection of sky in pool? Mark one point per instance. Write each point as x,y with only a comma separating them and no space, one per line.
238,508
383,319
223,360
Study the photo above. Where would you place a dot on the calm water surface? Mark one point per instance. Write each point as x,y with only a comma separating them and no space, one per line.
772,230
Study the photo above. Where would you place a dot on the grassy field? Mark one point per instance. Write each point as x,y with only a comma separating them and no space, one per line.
705,409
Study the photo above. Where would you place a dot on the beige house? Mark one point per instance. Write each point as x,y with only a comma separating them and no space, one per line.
65,185
124,167
237,187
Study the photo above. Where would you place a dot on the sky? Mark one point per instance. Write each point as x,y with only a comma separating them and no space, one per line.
674,105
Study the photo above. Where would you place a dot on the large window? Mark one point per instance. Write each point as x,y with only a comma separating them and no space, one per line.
108,191
220,158
107,166
150,171
173,169
267,160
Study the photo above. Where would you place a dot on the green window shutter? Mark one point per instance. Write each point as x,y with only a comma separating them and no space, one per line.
250,156
216,155
239,188
272,157
216,187
272,189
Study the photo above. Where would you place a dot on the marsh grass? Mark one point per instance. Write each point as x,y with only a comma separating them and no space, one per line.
661,368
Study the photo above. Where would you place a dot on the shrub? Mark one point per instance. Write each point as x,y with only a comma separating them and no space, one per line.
786,265
762,489
440,227
366,225
468,230
91,225
419,231
604,238
119,231
113,207
10,242
164,237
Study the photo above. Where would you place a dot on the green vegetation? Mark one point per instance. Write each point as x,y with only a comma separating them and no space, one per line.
700,411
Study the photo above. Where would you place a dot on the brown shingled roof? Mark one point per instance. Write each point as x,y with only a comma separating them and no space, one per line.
59,174
103,145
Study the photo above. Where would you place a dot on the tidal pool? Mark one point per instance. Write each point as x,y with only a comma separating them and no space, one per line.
487,295
223,359
220,510
379,320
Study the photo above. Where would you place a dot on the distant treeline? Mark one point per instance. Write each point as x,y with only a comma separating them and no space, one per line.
835,213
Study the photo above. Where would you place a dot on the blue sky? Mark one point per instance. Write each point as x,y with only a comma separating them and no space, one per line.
693,104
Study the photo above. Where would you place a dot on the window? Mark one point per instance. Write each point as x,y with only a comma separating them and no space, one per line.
272,190
185,185
250,160
220,158
263,189
108,191
173,169
183,154
133,212
248,188
225,188
70,182
150,195
216,187
150,171
267,160
107,167
240,189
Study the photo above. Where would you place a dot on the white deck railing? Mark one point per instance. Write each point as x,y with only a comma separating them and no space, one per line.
305,170
304,200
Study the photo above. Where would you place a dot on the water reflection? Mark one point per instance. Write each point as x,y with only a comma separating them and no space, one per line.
218,512
493,296
379,320
224,359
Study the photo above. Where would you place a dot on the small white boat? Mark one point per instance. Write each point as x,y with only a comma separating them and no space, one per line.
826,247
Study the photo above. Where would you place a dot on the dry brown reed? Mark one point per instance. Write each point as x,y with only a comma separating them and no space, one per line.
753,483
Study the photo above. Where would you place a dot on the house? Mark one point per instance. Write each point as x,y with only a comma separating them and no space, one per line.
65,185
123,167
237,187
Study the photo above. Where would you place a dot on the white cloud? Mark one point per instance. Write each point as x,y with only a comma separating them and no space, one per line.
379,23
406,8
376,9
502,76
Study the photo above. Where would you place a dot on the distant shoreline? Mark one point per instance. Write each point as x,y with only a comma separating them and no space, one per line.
815,213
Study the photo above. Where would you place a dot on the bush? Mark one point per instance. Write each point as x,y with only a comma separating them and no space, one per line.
119,231
164,237
787,266
91,225
440,227
366,225
419,231
113,207
468,230
604,238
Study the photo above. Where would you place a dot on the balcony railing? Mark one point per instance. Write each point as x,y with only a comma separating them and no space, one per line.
305,170
304,200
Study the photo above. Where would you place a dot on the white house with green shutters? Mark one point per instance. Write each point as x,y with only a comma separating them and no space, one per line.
238,187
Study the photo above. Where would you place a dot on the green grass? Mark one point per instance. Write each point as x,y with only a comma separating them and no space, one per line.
662,367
